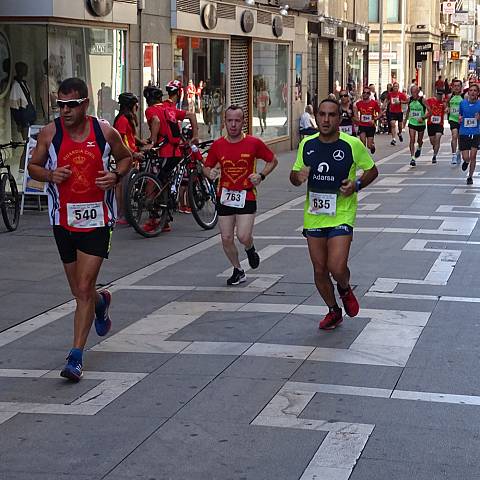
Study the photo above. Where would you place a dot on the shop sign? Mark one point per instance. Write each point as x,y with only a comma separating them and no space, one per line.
329,31
247,21
360,36
448,45
277,26
101,48
148,56
436,55
454,55
461,18
448,8
181,43
385,56
421,50
195,43
100,8
209,16
419,65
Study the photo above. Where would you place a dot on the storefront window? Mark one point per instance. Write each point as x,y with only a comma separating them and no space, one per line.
312,71
270,89
337,67
355,69
200,65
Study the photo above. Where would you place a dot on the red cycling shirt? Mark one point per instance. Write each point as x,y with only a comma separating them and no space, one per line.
237,162
126,132
367,111
395,99
437,108
175,115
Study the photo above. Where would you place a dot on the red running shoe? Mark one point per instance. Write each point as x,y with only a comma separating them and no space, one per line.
350,302
167,228
151,225
332,320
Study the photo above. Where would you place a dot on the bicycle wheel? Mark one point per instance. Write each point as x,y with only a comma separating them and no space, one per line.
9,201
202,198
147,204
126,182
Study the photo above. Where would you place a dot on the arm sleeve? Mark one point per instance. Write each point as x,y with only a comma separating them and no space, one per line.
298,165
212,157
361,156
263,152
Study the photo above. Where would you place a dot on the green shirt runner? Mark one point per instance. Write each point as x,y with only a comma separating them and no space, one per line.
347,148
417,111
454,106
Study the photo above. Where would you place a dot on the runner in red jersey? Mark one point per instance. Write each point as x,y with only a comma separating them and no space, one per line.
72,155
435,121
234,157
367,111
394,101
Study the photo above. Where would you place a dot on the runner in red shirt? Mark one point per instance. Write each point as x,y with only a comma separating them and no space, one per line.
435,121
367,111
73,156
394,101
233,157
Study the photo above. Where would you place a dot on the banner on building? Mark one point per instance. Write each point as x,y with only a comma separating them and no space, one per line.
421,51
448,8
461,18
448,45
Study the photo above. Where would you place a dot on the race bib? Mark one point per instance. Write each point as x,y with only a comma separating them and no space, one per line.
436,119
323,204
366,118
415,114
454,111
470,122
233,198
346,129
85,215
395,100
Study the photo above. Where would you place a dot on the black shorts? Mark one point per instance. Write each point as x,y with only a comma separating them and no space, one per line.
369,131
417,128
224,211
96,242
434,128
328,232
467,142
454,125
396,116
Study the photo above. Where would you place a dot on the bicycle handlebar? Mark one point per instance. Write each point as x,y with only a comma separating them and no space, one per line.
12,145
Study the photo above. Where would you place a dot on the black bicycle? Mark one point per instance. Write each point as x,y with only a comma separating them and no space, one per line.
9,197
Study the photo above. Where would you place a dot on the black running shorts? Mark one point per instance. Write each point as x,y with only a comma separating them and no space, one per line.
369,131
467,142
396,116
434,128
454,125
328,232
224,211
96,242
418,128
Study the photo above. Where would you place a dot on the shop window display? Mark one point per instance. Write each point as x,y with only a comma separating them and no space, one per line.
270,89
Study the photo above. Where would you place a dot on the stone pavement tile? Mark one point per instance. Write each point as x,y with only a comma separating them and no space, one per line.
185,364
367,469
455,314
70,443
139,303
398,304
262,368
231,400
45,476
296,289
43,390
234,296
372,376
287,299
440,358
303,330
125,362
450,337
157,396
228,327
208,450
12,356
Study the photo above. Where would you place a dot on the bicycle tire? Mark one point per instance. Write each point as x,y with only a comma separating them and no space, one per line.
142,205
9,201
126,182
201,194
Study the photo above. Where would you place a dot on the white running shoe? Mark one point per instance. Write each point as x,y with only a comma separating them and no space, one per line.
454,160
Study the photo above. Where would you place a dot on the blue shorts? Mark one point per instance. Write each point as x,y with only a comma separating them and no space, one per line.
328,232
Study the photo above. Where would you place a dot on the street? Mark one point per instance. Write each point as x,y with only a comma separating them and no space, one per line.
200,381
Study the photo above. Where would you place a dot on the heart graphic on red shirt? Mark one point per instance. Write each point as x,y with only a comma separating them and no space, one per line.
235,171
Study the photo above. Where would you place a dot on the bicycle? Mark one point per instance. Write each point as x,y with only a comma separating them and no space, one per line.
9,197
153,194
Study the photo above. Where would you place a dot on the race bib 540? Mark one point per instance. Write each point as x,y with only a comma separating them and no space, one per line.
85,215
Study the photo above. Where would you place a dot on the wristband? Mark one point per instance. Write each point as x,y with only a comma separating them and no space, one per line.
119,176
262,176
358,185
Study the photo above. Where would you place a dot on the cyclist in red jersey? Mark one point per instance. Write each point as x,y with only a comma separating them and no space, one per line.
435,121
73,156
233,157
393,102
153,96
367,112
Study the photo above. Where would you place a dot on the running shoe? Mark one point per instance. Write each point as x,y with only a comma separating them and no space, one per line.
372,150
413,163
122,221
400,137
469,181
464,166
151,225
393,143
332,320
434,159
166,228
253,257
102,319
418,152
73,369
453,162
237,277
350,302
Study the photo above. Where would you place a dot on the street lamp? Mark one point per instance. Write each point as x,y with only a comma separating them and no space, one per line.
284,10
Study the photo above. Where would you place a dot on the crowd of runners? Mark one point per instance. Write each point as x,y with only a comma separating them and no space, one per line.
334,160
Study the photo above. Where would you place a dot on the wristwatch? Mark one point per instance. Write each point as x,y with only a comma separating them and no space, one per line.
358,185
262,176
119,176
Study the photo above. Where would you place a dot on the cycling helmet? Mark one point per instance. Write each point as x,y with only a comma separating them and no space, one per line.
152,94
173,86
187,132
128,99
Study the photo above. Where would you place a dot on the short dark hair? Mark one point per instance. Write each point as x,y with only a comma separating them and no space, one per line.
234,108
330,100
74,84
456,80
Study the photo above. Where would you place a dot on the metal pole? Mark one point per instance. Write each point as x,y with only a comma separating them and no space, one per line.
380,46
402,46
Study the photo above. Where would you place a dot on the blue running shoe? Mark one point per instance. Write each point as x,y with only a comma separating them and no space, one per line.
72,369
102,320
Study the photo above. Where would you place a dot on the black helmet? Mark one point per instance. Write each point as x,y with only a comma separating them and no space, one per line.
128,99
152,94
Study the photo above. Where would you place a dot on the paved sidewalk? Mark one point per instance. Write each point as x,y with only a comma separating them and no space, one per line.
202,381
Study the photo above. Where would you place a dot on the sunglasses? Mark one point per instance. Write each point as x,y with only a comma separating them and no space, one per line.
70,103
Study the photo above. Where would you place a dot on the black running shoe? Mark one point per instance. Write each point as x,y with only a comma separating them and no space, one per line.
418,152
393,143
434,159
413,163
469,181
237,277
372,150
253,257
464,166
400,137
